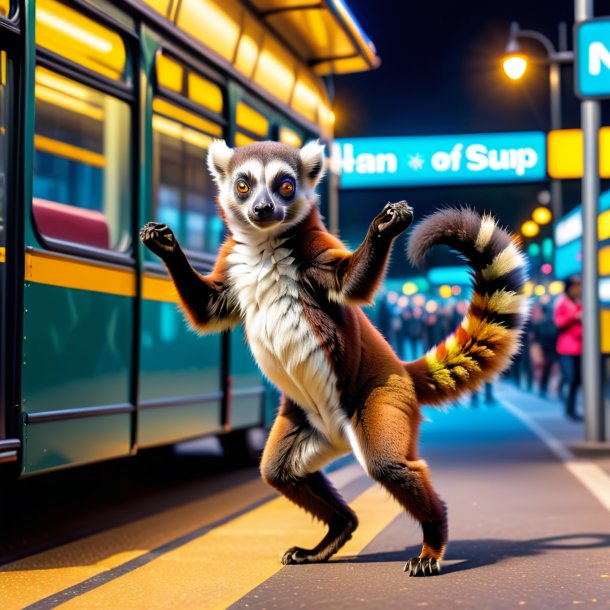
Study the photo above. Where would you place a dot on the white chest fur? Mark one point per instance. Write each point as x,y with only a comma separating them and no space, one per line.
287,349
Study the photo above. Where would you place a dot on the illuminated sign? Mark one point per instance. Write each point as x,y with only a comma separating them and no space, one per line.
568,239
439,160
565,151
593,59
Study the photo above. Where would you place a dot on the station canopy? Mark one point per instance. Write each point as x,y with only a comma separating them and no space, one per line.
324,34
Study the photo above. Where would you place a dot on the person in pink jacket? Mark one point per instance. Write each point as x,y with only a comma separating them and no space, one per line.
568,319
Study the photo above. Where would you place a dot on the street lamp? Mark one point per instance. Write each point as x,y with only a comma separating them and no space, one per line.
515,64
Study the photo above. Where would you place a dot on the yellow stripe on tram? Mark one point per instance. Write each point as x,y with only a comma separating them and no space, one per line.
57,270
3,255
219,568
159,289
208,571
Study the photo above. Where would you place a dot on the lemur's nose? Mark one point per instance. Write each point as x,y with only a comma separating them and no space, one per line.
263,209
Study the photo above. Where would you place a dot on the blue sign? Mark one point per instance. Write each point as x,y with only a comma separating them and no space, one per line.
592,74
440,160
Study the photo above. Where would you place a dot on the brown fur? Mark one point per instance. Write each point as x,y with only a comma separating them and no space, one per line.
379,394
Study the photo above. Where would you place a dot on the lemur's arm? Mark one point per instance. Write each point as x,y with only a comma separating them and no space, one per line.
205,299
353,278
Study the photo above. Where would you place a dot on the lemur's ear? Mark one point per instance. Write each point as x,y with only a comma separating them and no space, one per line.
219,155
312,159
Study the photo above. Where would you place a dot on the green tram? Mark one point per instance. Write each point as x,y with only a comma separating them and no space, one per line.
106,111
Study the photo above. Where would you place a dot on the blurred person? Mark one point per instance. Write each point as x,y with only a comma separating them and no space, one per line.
568,319
384,317
544,335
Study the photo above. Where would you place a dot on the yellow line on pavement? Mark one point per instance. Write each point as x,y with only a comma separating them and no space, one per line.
29,580
220,567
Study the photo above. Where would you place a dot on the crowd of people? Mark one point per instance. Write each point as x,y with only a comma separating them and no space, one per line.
549,361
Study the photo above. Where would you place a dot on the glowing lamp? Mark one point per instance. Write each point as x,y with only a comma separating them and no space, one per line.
530,229
547,269
542,215
456,290
539,290
444,291
556,287
431,306
514,66
409,288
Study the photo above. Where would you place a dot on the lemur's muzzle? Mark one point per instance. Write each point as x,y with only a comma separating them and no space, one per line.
262,210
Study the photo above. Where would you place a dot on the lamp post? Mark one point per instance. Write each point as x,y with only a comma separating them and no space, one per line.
515,64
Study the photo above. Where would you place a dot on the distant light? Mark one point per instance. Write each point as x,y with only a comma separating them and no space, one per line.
409,288
419,300
431,306
539,290
392,297
444,291
403,302
528,289
533,250
555,287
569,229
547,269
529,228
548,246
545,298
544,197
604,290
542,215
456,291
514,66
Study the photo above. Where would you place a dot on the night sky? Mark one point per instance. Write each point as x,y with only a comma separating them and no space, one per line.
440,74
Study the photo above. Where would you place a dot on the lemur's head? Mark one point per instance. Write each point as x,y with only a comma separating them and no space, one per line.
267,186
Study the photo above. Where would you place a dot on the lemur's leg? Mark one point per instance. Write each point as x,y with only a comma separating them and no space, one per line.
293,454
205,299
387,428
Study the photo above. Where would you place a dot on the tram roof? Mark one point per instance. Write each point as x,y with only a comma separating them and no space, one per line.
323,33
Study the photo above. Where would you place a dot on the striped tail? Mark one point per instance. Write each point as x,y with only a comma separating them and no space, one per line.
489,335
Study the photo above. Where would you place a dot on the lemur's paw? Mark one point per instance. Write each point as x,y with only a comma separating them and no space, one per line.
422,566
394,219
297,555
158,238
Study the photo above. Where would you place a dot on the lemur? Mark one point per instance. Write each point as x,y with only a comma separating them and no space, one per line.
298,291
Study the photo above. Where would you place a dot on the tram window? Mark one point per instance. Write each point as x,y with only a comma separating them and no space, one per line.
251,125
4,126
82,182
288,136
66,32
184,191
5,8
177,78
249,119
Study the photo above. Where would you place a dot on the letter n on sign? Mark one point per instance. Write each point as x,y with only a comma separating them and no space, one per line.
592,73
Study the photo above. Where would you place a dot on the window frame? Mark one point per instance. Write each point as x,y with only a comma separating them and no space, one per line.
11,309
204,259
127,92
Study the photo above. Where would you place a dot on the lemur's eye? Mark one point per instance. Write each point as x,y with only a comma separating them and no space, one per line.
287,188
242,187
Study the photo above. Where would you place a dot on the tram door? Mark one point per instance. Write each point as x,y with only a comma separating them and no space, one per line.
80,282
4,132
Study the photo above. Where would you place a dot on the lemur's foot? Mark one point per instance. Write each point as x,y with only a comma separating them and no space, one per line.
339,533
297,555
158,238
422,566
393,219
